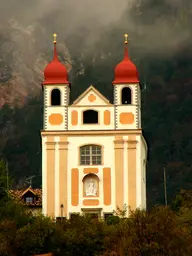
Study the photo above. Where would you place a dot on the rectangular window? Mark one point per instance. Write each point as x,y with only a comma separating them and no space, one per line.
29,200
90,155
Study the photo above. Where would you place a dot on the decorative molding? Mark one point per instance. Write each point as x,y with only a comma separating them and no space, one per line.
132,144
90,170
115,104
118,144
107,186
74,117
63,145
56,119
50,145
91,97
75,186
90,202
119,132
126,118
137,99
66,103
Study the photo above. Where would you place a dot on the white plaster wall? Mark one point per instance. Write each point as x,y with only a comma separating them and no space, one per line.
108,161
44,176
57,198
134,107
126,109
139,118
139,175
144,166
83,127
62,109
134,88
108,143
85,101
126,175
56,110
64,89
138,95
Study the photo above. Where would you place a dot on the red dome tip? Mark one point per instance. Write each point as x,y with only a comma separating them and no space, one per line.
55,72
126,71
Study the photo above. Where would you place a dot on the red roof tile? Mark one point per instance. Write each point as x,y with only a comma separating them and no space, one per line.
19,195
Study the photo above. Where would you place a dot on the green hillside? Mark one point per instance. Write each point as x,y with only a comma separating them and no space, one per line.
166,75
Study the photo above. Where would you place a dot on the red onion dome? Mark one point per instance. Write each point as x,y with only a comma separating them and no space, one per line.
55,72
126,71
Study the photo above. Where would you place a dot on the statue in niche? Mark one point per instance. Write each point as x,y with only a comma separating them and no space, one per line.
91,189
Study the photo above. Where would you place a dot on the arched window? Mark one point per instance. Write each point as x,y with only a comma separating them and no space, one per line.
126,95
90,117
90,155
55,97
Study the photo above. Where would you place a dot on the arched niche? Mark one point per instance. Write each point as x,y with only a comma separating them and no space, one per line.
91,185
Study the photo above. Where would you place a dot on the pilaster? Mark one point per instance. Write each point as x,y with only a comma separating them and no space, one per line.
131,155
63,176
119,163
50,150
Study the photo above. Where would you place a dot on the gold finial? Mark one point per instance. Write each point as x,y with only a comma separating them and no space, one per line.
54,38
126,38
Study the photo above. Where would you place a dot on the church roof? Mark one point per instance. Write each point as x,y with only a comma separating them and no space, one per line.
92,89
18,195
55,72
126,71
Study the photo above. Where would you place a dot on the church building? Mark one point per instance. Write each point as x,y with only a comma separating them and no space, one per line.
93,151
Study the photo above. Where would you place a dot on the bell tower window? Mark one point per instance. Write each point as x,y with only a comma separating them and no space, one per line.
55,97
126,96
90,117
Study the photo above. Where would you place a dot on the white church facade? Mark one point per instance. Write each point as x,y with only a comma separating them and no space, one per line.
93,151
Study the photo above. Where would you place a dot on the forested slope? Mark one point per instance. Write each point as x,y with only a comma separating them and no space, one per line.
160,45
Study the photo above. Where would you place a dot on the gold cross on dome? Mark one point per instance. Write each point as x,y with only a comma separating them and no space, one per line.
126,38
54,38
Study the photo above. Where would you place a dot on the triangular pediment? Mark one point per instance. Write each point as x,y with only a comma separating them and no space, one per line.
29,189
91,96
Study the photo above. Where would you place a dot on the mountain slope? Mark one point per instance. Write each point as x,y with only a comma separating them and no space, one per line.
163,56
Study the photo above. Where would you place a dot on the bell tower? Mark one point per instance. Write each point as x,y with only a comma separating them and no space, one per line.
127,101
56,89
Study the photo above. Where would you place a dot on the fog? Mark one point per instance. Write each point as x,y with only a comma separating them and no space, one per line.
71,18
88,27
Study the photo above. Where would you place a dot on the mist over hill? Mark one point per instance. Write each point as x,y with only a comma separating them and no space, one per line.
85,30
90,43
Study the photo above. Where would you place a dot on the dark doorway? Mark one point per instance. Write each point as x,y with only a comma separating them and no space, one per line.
93,216
55,97
90,117
126,95
107,216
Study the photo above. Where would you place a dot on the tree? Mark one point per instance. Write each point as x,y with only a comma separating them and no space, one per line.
8,231
150,233
182,200
39,233
80,236
3,182
10,209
